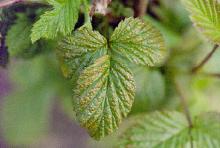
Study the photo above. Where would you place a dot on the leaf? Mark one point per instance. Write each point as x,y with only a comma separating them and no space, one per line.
205,14
150,90
104,93
18,37
171,130
139,42
157,130
206,131
25,115
61,19
79,51
25,112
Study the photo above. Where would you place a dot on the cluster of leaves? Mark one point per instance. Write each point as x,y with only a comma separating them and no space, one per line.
103,71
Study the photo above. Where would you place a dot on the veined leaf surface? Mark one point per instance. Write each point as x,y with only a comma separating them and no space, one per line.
205,14
140,42
104,93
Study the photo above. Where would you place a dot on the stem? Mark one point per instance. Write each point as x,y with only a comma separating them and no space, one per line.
140,7
205,60
186,110
217,75
86,13
184,103
99,6
7,3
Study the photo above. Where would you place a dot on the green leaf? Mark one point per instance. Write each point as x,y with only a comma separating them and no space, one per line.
205,14
104,94
206,131
25,115
157,130
79,51
61,19
171,130
25,112
150,90
139,42
18,37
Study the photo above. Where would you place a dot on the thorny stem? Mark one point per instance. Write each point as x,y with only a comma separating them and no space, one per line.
205,60
140,7
7,3
186,109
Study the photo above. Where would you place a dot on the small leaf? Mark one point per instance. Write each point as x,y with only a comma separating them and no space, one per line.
18,37
104,93
61,19
205,14
139,42
79,51
171,130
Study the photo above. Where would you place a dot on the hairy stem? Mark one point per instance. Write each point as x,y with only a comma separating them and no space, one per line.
205,60
186,109
140,7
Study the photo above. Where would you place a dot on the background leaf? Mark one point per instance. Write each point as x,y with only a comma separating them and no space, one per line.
150,89
205,14
17,39
171,130
157,130
61,19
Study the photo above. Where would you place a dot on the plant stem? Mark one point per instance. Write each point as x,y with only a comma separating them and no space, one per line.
216,75
186,109
99,6
7,3
140,7
205,60
184,103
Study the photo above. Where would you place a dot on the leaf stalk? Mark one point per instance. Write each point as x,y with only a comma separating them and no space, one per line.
205,60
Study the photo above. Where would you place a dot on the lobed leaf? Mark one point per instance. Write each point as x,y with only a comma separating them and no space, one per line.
60,20
105,88
139,42
205,14
104,93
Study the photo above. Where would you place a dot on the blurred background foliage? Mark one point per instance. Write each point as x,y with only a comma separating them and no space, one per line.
37,85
